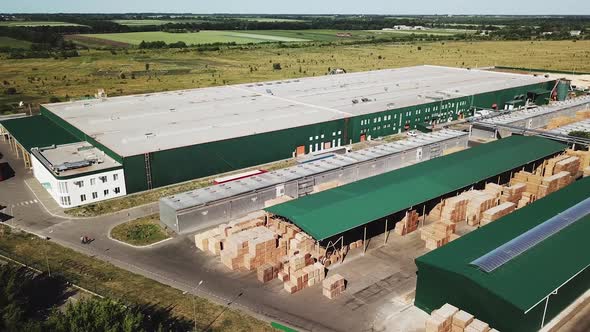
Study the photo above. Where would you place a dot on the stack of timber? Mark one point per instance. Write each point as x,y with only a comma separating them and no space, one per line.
494,189
408,224
497,212
513,193
478,202
587,171
437,234
584,158
333,286
527,198
460,321
450,319
454,209
571,165
306,276
252,248
441,320
539,186
356,244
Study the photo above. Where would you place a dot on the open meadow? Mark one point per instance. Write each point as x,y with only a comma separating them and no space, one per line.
124,72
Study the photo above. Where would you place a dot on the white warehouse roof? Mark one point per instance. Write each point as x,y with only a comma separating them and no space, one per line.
132,125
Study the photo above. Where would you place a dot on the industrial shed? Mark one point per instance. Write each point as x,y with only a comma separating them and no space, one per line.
214,130
331,213
533,273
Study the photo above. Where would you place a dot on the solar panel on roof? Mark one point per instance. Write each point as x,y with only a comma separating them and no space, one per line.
509,250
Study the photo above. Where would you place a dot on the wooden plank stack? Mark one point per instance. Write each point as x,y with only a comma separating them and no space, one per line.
333,286
549,165
450,319
571,165
437,234
202,239
408,224
441,320
252,248
527,198
460,321
454,209
587,171
305,277
497,212
477,325
494,189
267,272
513,193
583,155
479,201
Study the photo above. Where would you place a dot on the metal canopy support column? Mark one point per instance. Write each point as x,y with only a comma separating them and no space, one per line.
365,241
386,233
423,215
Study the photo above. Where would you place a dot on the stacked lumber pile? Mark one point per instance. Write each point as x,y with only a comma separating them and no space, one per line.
437,234
527,198
587,171
441,320
408,224
460,321
571,165
301,242
478,202
532,181
513,193
494,189
252,248
454,209
356,244
267,272
553,183
549,165
302,278
202,240
583,155
450,319
497,212
333,286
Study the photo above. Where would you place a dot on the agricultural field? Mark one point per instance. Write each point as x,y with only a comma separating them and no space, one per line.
14,43
155,22
436,32
193,38
124,72
36,24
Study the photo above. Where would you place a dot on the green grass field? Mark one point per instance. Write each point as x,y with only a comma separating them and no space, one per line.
140,232
155,22
194,38
436,32
14,43
36,80
36,24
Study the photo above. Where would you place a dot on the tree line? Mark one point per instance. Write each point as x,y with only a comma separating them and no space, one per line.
35,302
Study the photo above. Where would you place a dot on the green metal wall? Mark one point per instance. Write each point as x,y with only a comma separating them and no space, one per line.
436,287
190,162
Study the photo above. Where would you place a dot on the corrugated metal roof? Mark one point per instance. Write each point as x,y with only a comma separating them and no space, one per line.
531,276
220,192
37,131
132,125
332,212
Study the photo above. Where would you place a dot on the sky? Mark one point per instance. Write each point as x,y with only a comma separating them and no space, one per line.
487,7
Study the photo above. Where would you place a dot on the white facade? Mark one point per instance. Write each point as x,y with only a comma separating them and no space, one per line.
83,189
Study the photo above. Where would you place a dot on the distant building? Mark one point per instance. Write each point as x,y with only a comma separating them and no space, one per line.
575,33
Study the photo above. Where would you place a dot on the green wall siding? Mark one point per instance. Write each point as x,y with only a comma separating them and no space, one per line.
195,161
436,287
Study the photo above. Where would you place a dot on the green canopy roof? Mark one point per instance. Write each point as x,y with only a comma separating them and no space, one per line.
530,277
334,211
37,131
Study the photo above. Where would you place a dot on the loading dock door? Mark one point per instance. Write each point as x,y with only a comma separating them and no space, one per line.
300,150
363,137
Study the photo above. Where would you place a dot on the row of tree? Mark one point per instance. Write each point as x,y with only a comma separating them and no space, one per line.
36,302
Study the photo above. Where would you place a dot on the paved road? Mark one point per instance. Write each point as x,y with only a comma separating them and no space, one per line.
177,262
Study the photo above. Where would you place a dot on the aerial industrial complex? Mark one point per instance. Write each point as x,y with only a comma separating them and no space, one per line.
214,130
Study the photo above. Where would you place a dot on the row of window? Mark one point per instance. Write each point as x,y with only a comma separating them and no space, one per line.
102,179
378,119
311,138
324,145
105,192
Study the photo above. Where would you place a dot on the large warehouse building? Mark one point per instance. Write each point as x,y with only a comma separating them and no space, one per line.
518,272
341,212
208,131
